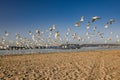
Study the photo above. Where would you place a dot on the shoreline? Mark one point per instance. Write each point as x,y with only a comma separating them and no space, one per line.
46,51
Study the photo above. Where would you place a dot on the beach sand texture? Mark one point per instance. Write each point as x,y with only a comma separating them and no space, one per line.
88,65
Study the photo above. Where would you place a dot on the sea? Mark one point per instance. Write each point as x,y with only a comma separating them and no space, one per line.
28,51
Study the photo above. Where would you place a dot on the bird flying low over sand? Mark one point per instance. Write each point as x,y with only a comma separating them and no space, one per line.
95,18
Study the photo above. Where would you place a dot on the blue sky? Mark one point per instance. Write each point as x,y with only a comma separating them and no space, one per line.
20,16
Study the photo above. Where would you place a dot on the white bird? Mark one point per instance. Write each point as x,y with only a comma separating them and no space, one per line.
88,25
94,28
52,28
56,34
17,36
74,35
95,18
82,19
30,33
106,25
6,33
38,32
79,38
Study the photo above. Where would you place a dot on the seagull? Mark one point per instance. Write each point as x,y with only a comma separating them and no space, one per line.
74,35
52,28
106,25
17,36
88,25
38,32
94,28
56,34
30,33
79,38
95,18
100,34
6,33
111,21
82,19
77,24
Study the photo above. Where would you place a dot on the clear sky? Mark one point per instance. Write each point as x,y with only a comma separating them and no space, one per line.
20,16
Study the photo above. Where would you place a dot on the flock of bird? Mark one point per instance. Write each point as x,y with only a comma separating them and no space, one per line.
52,37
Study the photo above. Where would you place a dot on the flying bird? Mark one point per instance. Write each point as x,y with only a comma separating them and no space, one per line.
79,38
88,25
38,32
52,28
95,18
30,33
77,24
100,34
6,33
106,25
74,35
94,28
82,19
111,21
56,34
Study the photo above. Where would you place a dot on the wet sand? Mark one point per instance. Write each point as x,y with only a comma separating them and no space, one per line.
88,65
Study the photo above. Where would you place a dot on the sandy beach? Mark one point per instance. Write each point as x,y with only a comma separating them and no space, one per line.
88,65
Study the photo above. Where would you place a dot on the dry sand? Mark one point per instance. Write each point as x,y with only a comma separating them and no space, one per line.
89,65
